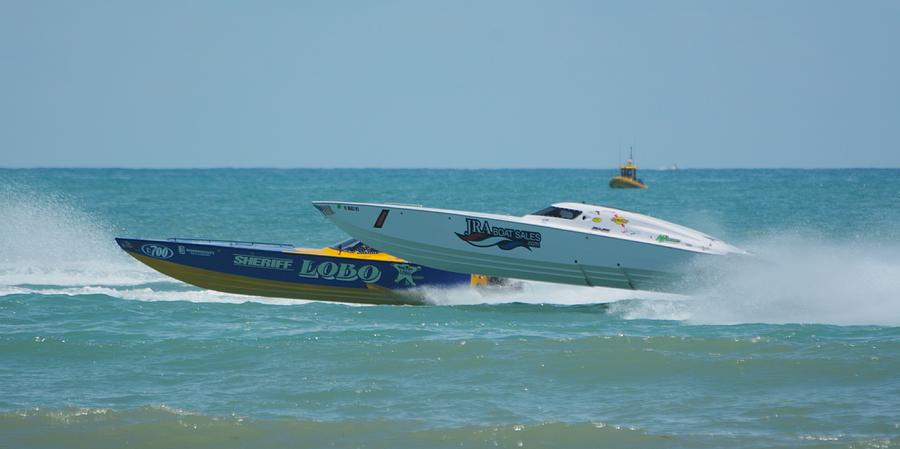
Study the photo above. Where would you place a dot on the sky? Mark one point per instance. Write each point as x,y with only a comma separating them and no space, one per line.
456,84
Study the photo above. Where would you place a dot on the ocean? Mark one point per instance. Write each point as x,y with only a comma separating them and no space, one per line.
799,350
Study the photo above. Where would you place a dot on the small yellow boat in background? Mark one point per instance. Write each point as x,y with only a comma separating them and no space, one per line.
627,178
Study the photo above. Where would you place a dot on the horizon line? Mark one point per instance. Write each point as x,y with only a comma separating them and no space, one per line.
264,167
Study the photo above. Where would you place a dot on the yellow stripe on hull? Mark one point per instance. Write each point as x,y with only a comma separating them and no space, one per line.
331,252
244,285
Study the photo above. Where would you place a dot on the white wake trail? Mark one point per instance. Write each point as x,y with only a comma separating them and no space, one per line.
792,280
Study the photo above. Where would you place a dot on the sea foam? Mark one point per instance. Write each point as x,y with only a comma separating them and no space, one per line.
790,279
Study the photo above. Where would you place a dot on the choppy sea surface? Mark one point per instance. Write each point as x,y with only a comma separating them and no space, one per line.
799,350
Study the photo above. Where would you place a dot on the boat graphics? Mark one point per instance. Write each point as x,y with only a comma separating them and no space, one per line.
480,233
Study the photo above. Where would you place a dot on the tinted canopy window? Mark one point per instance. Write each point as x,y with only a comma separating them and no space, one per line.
354,246
558,212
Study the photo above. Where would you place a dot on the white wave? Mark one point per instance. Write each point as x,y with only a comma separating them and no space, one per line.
150,294
791,280
530,292
125,274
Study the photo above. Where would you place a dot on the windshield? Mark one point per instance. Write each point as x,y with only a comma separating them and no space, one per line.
354,246
558,212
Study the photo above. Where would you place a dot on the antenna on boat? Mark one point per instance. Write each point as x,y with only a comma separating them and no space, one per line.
631,152
619,147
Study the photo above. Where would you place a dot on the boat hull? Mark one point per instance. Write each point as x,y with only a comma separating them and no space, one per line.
291,273
621,182
443,239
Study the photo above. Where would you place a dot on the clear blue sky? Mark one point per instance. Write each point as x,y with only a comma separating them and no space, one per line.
464,84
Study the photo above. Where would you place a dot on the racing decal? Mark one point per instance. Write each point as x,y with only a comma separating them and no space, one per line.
405,274
596,219
157,251
200,252
271,263
619,220
480,233
195,252
381,217
339,271
665,238
325,209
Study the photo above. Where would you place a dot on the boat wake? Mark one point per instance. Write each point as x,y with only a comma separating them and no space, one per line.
143,293
532,292
791,279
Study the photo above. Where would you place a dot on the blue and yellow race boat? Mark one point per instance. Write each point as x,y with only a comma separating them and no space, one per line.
347,272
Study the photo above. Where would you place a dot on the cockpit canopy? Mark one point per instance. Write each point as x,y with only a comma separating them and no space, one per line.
558,212
354,246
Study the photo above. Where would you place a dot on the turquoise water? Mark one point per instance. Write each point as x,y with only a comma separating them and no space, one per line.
799,350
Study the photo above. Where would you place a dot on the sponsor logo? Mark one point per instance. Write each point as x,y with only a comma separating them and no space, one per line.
597,228
596,219
480,233
271,263
619,220
339,271
157,251
200,252
665,238
405,274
